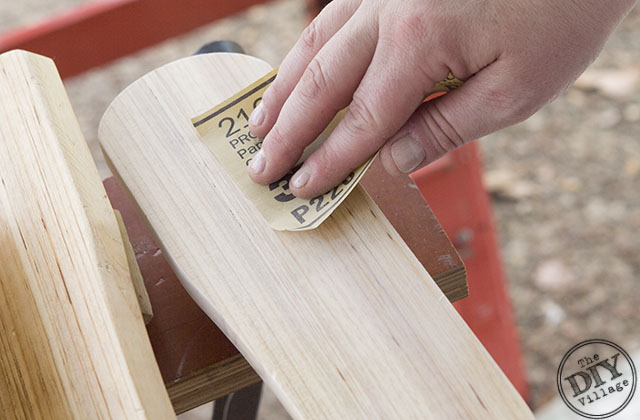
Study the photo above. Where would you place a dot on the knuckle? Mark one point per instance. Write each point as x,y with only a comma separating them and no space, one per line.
516,96
520,110
438,127
334,157
311,38
362,120
338,152
531,99
314,80
414,26
406,29
272,94
515,106
393,41
278,144
326,160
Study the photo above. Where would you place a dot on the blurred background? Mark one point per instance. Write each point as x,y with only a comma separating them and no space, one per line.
564,184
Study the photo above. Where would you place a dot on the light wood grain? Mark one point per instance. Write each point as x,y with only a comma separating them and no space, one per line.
342,321
211,383
134,271
405,208
72,341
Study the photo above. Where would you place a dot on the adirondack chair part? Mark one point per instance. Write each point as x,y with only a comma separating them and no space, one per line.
134,271
72,341
341,321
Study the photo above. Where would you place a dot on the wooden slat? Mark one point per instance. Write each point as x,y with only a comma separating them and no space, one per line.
454,188
197,362
72,341
211,383
404,206
341,321
134,271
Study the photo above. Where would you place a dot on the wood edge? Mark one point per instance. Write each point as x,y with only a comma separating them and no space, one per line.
208,383
181,407
453,283
131,350
211,383
136,275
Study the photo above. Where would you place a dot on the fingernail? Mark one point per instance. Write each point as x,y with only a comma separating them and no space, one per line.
258,163
257,116
300,179
407,153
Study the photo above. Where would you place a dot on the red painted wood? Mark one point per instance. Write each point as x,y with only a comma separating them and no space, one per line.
453,188
97,33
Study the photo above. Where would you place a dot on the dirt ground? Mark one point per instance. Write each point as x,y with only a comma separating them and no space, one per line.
564,183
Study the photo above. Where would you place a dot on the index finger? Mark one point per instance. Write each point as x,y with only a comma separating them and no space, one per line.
388,94
315,36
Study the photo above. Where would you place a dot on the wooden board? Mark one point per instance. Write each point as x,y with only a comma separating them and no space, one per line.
404,206
134,271
197,362
342,321
72,341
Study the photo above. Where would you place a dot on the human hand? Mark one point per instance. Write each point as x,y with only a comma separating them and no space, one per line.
380,58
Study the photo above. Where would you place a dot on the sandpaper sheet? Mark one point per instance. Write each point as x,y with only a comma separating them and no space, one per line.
225,131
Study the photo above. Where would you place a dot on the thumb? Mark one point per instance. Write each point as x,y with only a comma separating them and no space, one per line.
487,102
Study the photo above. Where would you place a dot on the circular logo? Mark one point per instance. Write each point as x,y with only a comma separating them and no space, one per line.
596,379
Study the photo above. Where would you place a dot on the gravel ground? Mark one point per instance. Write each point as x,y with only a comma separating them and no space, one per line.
564,183
565,187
